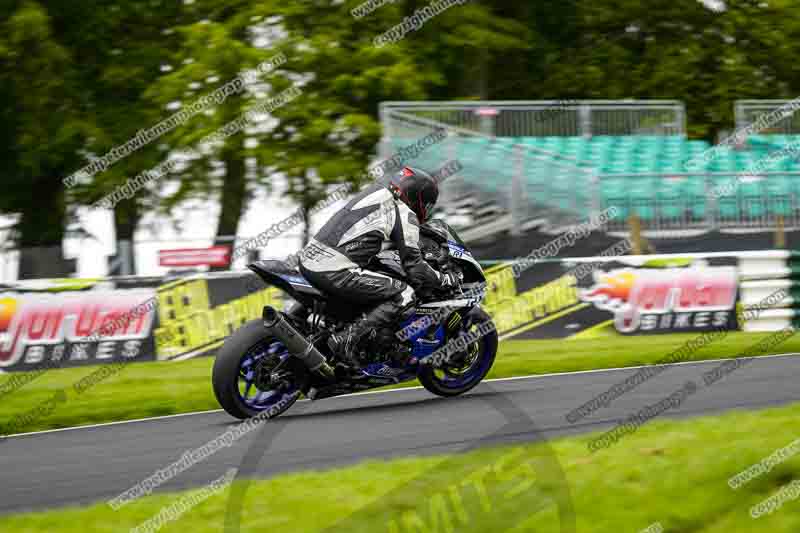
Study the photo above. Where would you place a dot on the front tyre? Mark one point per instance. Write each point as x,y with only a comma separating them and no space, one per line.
245,379
466,369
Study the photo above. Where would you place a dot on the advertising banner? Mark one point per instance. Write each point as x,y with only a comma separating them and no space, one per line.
73,322
190,257
196,314
622,296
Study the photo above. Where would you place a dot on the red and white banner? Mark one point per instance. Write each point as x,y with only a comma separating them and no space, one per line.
189,257
76,327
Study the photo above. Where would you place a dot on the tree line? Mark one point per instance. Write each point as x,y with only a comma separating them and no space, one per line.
79,79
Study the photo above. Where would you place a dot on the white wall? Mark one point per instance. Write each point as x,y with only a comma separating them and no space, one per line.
193,225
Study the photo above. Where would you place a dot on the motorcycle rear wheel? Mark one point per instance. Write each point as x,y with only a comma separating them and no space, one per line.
243,366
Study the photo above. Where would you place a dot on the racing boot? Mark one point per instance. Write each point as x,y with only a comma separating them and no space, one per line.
341,344
344,342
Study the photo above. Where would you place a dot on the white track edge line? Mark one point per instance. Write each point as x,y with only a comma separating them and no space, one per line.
402,389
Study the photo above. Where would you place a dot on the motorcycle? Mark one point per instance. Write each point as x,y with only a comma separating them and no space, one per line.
447,341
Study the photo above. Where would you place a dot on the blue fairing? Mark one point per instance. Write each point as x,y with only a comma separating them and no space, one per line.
423,347
295,279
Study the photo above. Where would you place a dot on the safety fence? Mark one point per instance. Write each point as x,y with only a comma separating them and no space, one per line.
700,202
766,273
747,112
549,117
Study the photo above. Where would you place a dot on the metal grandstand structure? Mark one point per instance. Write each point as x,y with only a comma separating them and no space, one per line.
506,175
550,117
746,112
493,172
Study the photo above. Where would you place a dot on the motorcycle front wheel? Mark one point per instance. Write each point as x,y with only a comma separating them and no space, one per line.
467,369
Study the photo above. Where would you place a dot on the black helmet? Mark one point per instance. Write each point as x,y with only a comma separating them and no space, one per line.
417,189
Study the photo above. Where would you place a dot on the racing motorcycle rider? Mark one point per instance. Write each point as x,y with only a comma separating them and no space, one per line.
381,217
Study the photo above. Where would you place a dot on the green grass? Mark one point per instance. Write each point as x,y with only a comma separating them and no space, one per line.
137,391
153,389
518,358
671,472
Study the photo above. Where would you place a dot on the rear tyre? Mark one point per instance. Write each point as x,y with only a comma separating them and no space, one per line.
474,364
241,371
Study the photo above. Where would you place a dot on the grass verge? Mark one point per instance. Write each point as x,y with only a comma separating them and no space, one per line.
671,472
152,389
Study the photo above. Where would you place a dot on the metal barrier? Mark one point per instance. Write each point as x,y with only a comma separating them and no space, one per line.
699,202
746,112
549,117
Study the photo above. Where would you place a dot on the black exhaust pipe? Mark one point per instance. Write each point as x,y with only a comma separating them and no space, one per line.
277,326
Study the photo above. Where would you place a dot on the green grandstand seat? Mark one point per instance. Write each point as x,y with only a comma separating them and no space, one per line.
611,186
793,182
672,198
724,165
614,167
604,141
574,142
700,145
778,185
757,140
556,181
595,156
779,195
554,142
728,207
644,208
614,193
728,203
697,208
671,165
695,190
506,141
645,139
752,198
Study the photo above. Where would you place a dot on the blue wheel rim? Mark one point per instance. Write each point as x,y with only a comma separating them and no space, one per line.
479,367
248,392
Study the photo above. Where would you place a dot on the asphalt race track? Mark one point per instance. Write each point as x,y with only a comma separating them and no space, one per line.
85,465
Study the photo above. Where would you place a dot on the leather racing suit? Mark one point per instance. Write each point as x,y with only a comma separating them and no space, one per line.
335,260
